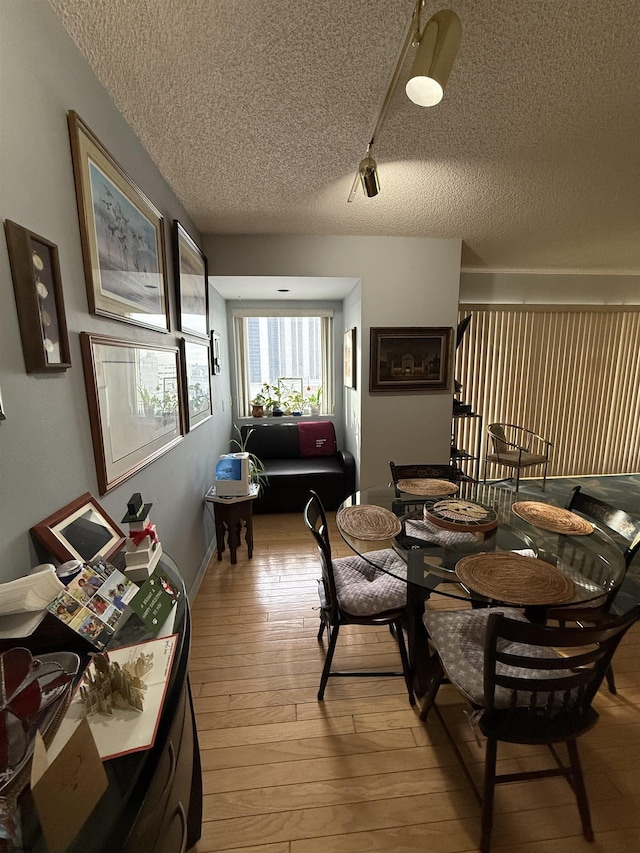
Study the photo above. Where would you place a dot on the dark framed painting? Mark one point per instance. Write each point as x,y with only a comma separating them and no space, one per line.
81,530
37,284
196,382
122,236
135,403
191,281
349,359
410,358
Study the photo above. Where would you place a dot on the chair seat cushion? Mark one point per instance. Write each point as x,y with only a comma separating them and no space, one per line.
364,589
515,459
460,638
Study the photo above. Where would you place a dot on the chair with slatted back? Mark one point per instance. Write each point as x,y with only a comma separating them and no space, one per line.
626,531
516,447
354,592
528,684
424,472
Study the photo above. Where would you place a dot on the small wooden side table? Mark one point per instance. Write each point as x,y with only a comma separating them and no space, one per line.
231,514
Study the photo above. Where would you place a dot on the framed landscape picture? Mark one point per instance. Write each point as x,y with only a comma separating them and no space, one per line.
410,359
191,280
135,403
196,382
122,236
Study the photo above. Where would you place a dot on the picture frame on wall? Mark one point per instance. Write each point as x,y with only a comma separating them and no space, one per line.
410,358
349,359
136,408
191,281
122,236
196,382
216,367
37,284
81,530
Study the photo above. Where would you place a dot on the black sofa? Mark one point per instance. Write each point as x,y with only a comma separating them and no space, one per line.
294,467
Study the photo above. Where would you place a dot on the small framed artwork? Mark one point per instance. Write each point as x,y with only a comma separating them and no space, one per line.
191,280
122,236
410,359
135,403
82,530
215,353
196,382
349,359
37,285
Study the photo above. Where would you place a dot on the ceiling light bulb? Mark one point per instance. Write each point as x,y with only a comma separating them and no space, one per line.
369,176
434,60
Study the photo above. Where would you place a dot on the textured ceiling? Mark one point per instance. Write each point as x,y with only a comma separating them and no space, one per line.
258,113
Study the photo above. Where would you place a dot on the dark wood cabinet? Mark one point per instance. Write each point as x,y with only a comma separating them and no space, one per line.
153,803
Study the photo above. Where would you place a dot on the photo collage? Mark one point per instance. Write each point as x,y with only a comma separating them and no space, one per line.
94,602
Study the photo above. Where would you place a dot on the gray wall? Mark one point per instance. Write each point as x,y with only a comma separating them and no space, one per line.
46,454
549,288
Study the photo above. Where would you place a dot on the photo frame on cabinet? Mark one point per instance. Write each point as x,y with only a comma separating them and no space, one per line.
191,281
196,382
135,399
122,236
37,284
349,359
81,530
410,359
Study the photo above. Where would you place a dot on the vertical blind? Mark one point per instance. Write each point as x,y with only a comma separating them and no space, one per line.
570,373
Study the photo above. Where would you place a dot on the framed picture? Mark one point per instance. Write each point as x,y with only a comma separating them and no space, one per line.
135,404
196,382
37,285
349,359
82,530
410,359
122,236
191,281
215,353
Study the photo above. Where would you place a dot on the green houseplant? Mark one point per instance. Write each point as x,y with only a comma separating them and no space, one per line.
314,401
257,473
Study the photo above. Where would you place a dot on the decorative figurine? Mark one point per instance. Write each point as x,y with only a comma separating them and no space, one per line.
142,548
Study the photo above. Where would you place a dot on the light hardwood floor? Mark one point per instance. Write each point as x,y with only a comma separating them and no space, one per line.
284,773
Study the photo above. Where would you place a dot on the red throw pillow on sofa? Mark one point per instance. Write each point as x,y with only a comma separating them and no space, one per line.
317,438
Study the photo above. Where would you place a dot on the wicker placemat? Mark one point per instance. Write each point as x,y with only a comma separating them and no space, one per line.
368,522
552,518
456,514
514,579
428,487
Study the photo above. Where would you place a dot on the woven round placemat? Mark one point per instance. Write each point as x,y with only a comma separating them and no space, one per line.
552,518
368,522
428,487
457,514
514,579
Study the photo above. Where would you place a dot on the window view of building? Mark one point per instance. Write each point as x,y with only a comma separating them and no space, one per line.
284,347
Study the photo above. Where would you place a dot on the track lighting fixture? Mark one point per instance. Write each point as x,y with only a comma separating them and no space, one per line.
437,46
368,172
434,60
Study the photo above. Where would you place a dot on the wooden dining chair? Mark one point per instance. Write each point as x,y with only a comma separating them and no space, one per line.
424,471
625,531
354,592
528,684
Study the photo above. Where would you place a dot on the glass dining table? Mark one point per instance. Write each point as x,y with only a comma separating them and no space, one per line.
482,545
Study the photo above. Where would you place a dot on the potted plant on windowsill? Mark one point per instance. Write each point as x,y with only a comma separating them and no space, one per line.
297,403
314,401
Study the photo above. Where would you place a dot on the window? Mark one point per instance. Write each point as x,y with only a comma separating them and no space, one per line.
295,345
